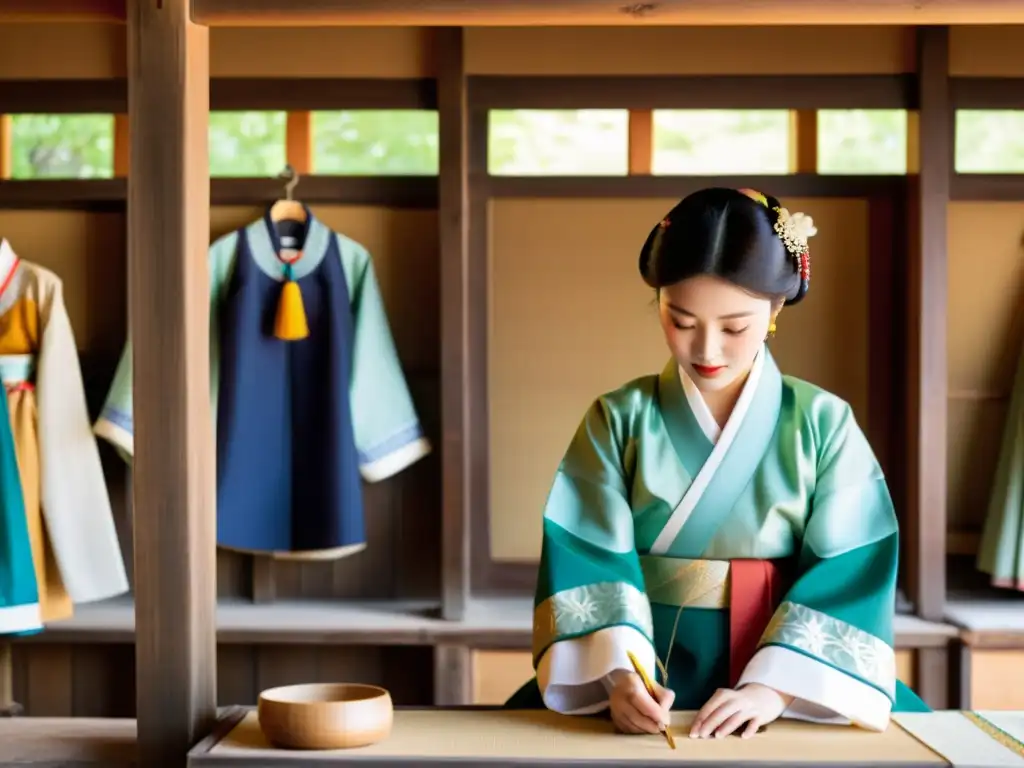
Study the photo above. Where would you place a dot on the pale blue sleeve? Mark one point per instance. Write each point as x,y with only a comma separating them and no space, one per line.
387,429
115,423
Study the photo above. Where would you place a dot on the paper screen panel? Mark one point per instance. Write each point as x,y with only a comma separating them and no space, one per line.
985,332
570,318
958,739
676,50
541,737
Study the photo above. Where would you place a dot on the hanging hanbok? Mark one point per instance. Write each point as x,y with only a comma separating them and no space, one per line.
1001,554
765,551
58,542
300,421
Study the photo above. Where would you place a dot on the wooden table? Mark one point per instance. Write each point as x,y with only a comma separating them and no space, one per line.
490,736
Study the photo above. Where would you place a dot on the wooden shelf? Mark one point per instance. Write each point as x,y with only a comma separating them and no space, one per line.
489,623
992,622
67,741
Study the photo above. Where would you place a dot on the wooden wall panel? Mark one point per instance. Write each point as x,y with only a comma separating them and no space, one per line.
688,50
65,50
997,679
905,666
986,51
57,680
87,251
570,319
499,674
98,680
985,336
321,52
243,671
402,512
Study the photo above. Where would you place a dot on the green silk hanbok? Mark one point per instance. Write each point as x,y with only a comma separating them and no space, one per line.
765,551
1001,553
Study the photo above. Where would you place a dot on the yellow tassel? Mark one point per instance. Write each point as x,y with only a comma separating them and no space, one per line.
290,323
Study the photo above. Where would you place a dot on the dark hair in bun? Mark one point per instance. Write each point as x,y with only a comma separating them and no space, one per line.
729,234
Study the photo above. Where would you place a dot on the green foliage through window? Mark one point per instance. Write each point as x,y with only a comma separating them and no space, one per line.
526,142
862,141
247,143
720,141
989,141
62,146
376,142
558,142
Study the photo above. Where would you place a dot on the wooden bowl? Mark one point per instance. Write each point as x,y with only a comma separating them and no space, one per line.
325,715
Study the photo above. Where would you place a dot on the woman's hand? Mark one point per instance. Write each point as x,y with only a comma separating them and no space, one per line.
728,709
632,708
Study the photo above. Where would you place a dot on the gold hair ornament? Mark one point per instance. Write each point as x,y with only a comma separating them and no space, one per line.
794,229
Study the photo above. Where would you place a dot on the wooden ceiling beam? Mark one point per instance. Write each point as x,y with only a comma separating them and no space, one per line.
62,10
601,12
537,12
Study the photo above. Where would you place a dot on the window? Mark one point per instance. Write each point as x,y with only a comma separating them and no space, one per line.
376,142
247,143
558,142
62,146
720,141
989,141
862,141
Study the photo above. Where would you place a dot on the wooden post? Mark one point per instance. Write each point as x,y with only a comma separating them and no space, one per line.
803,141
168,303
299,141
641,141
456,401
8,706
926,339
6,139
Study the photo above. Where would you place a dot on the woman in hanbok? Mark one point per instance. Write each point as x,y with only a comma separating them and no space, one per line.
726,524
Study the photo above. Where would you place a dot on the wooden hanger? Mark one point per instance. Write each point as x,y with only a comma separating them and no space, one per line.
288,209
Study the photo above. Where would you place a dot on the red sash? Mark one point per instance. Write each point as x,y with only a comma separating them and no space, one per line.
755,592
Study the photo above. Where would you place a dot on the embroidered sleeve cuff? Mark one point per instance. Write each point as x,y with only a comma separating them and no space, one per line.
572,674
392,456
823,694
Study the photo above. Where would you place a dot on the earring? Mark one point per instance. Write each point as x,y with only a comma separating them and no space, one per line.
771,329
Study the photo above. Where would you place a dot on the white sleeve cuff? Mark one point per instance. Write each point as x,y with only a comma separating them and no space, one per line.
396,461
822,694
572,674
116,435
